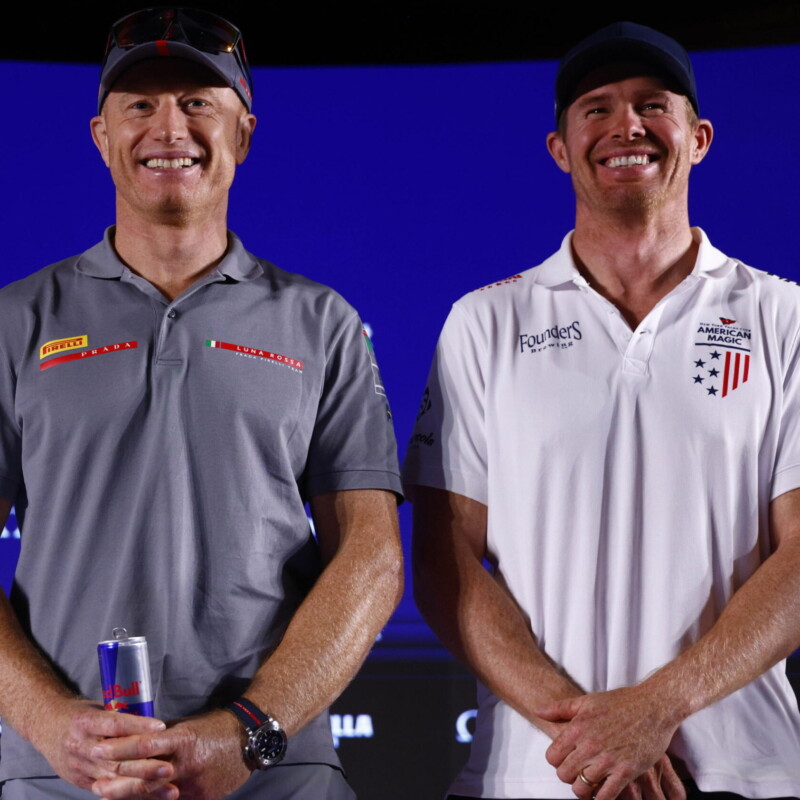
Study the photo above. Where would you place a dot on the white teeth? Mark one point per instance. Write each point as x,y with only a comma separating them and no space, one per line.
627,161
168,163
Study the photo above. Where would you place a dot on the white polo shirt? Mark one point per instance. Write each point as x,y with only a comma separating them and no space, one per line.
627,476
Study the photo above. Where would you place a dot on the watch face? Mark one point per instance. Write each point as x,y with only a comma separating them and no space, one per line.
266,745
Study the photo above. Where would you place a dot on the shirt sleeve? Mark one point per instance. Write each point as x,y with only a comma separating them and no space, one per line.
786,474
353,444
448,446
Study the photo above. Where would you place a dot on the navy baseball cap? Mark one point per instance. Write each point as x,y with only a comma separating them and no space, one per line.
624,41
189,33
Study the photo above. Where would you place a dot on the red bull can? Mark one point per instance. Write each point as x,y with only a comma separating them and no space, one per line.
125,674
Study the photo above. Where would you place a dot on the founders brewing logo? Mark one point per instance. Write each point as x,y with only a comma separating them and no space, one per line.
722,357
558,336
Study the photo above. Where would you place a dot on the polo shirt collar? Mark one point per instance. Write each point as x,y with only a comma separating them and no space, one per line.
102,261
560,267
711,263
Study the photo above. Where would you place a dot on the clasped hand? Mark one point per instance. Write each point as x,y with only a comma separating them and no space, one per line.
617,741
120,756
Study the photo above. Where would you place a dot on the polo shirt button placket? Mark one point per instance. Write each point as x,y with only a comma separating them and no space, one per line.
165,352
637,354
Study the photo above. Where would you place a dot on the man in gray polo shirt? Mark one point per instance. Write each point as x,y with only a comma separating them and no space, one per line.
168,402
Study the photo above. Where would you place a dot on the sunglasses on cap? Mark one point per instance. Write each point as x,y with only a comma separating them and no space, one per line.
198,29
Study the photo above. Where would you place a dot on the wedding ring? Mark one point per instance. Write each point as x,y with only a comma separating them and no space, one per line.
586,781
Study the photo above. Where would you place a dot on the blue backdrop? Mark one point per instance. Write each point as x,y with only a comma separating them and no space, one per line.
404,188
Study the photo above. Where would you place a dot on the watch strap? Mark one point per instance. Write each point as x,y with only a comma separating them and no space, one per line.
266,740
249,714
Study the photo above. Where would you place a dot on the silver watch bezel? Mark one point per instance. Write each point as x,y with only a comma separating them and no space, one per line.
253,750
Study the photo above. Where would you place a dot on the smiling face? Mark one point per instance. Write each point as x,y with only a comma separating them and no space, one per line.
172,137
629,143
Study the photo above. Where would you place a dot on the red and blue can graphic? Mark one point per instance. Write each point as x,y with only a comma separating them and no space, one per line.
125,674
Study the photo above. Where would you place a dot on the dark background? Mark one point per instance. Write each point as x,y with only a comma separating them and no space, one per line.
410,32
399,157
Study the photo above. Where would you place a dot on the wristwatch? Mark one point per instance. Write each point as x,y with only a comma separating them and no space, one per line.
266,740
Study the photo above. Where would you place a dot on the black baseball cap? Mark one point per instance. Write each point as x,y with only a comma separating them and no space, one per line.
624,41
190,33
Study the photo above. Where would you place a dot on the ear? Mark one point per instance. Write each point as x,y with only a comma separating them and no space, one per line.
244,136
702,136
558,150
100,136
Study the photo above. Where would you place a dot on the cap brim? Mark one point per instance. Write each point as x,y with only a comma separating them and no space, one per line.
223,65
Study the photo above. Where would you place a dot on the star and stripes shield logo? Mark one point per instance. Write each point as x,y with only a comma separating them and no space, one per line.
736,371
722,352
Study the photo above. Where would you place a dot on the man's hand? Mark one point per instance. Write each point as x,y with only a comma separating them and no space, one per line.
611,739
660,782
70,731
204,752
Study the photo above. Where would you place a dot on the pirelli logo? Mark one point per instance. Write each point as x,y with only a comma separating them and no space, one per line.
60,345
119,347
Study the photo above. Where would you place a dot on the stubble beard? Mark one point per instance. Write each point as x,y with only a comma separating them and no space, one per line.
633,202
174,209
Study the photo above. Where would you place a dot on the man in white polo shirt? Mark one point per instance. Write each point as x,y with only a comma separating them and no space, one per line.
168,404
617,433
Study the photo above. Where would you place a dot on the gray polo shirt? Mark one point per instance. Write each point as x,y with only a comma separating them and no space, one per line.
159,455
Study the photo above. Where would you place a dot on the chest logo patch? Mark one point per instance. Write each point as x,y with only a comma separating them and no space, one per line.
267,356
558,336
60,345
95,351
722,357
